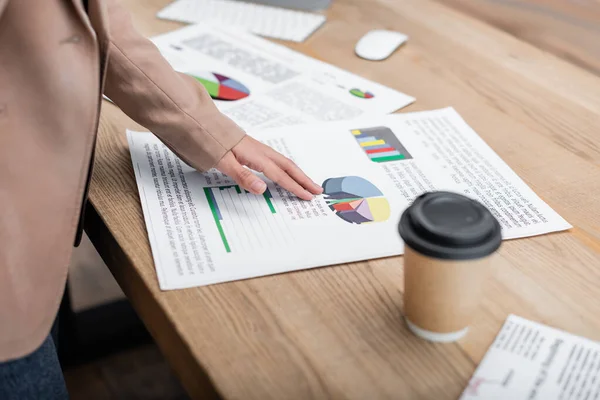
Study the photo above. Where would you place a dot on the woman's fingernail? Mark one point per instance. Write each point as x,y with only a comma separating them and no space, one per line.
258,186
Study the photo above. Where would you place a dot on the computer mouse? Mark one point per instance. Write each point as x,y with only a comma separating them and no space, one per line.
379,44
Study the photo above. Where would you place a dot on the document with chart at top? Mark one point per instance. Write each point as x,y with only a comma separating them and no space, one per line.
260,84
531,361
205,229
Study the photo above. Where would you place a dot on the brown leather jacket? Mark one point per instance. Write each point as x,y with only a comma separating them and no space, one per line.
56,58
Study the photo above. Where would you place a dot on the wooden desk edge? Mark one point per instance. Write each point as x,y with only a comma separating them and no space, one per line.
196,381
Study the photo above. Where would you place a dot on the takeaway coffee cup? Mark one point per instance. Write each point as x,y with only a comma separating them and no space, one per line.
449,239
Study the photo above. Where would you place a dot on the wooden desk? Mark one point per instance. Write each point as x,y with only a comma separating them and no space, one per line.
569,29
337,332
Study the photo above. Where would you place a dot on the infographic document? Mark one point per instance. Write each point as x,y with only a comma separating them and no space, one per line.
531,361
205,229
261,84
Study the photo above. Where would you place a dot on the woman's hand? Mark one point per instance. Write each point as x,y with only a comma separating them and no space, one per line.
259,157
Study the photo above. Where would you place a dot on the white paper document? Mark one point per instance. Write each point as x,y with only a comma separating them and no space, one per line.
204,229
531,361
273,22
260,84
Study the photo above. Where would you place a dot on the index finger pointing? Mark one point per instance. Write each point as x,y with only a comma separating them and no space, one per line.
296,173
280,177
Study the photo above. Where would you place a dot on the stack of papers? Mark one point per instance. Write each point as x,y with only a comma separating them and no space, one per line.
273,22
205,229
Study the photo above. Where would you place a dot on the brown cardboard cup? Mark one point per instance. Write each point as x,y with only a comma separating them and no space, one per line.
449,240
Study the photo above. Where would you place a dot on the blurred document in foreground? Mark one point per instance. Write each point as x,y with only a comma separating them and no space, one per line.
205,229
531,361
261,84
273,22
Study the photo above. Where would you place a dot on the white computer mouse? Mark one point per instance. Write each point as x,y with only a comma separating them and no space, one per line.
379,44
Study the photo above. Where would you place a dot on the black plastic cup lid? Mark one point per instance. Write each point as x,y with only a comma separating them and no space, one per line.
450,226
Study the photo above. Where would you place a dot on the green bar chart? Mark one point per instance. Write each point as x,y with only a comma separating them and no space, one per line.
246,221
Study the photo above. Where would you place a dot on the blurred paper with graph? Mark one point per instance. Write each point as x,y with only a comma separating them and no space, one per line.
529,360
205,229
260,84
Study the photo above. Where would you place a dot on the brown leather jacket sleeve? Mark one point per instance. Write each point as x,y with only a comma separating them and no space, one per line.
173,106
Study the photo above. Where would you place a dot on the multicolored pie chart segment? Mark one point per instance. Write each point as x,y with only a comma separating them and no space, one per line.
356,200
361,94
221,87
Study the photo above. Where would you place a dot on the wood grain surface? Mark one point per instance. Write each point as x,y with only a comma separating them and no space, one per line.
337,332
136,374
567,28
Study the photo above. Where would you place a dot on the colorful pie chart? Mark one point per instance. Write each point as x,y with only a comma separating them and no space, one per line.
361,94
221,87
356,200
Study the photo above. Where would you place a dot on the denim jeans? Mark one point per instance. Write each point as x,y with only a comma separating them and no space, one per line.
37,376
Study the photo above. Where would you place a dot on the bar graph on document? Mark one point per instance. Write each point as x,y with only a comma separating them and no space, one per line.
247,222
380,144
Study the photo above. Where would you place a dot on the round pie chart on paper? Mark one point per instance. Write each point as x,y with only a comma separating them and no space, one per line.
356,200
361,94
221,87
